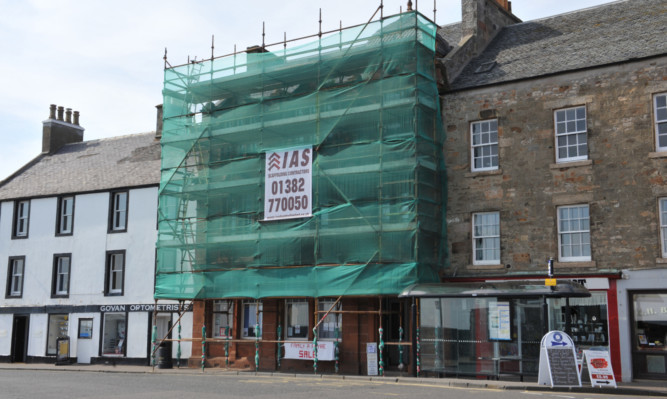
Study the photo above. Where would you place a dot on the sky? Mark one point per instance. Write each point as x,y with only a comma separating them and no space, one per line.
105,58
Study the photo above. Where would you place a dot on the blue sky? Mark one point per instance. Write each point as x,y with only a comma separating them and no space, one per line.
104,58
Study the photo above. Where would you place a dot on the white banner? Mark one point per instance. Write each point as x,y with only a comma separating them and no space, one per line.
304,351
288,183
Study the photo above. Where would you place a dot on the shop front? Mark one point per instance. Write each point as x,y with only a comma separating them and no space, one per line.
649,333
494,329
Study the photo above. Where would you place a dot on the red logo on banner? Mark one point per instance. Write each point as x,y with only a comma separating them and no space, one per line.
599,363
274,161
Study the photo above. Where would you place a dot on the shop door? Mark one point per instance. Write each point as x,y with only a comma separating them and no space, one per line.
85,347
19,339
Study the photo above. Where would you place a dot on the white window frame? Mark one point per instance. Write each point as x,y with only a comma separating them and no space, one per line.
223,317
296,319
660,120
65,215
574,227
119,205
663,226
22,219
248,331
484,138
62,275
15,275
568,127
115,273
326,331
486,238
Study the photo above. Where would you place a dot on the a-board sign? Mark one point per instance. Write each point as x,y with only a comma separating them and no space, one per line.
558,361
599,368
372,358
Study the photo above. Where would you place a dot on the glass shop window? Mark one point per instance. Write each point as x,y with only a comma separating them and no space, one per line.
58,325
223,318
114,334
586,319
650,311
296,316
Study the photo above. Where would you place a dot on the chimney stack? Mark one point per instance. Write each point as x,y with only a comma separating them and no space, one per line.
57,132
158,126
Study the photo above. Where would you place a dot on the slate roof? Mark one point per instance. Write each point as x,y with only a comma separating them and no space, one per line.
606,34
451,33
95,165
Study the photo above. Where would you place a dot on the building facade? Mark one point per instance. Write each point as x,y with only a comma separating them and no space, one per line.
556,149
300,194
77,242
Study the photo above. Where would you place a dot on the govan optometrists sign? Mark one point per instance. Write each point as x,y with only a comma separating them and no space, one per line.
288,184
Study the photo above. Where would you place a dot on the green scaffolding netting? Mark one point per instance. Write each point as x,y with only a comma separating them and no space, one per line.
365,101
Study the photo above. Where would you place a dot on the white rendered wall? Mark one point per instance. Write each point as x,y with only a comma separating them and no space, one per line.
88,246
6,322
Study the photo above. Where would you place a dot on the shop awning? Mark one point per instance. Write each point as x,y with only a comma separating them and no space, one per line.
500,289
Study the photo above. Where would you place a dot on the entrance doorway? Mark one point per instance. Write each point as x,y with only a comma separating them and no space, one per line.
19,351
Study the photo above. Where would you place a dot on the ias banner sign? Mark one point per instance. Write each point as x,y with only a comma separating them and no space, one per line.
288,183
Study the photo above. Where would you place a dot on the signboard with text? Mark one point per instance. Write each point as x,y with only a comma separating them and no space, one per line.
499,321
288,184
372,358
599,368
304,351
558,361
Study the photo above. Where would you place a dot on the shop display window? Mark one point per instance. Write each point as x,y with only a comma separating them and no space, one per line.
584,319
223,318
58,326
252,319
296,318
650,311
333,321
114,334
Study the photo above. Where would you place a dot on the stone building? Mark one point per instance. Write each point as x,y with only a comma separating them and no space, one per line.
556,147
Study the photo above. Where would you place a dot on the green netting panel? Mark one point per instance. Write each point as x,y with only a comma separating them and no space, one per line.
365,101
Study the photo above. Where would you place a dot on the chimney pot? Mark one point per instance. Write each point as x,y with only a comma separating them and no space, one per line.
68,115
61,110
52,111
76,118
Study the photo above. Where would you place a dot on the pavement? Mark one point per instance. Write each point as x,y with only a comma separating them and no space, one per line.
636,388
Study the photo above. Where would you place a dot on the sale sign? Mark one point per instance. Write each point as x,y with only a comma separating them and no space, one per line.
304,351
288,182
599,368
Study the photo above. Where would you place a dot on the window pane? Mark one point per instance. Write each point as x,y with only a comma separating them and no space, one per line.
297,319
223,318
574,232
331,326
486,237
251,319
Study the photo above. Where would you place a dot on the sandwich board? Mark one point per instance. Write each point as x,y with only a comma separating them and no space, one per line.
558,361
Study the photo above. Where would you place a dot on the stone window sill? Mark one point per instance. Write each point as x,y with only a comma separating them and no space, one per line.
661,260
566,165
654,155
481,173
591,263
485,267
